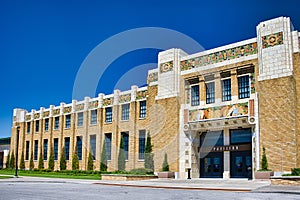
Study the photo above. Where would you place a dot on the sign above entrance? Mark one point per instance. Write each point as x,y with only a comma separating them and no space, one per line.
241,147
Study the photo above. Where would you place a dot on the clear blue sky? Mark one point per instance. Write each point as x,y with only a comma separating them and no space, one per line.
44,42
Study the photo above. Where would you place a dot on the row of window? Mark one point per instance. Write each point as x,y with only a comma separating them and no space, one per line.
243,90
94,116
93,144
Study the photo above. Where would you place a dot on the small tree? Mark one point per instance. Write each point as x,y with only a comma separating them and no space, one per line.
165,165
103,164
31,163
149,162
51,160
121,157
22,162
8,161
264,161
63,161
75,160
90,166
41,161
12,161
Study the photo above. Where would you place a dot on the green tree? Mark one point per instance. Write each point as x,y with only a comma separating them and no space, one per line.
63,161
75,160
51,160
31,163
121,157
8,161
90,166
149,162
264,161
22,162
103,164
12,161
41,161
165,165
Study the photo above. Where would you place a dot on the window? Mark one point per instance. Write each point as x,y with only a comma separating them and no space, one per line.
46,124
45,149
68,121
56,123
108,145
93,116
108,114
79,147
80,119
226,90
37,125
142,141
55,148
28,127
211,138
195,95
27,151
67,148
240,136
93,146
143,109
244,88
125,136
125,111
210,92
36,148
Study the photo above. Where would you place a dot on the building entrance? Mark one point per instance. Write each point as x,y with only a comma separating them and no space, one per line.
240,164
211,166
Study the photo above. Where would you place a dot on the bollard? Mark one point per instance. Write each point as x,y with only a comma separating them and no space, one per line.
189,173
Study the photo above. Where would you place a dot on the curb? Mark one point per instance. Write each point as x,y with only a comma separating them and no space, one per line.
176,188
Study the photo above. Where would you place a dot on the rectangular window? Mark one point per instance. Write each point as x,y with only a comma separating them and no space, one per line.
79,147
240,136
142,141
93,146
125,111
56,123
45,149
46,124
67,148
108,114
27,151
55,148
108,145
195,95
37,125
210,92
125,136
143,109
28,127
93,116
226,90
68,121
211,138
36,149
244,87
80,119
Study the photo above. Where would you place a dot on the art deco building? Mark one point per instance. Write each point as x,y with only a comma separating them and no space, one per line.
212,111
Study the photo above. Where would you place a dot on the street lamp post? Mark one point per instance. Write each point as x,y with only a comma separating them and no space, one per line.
17,149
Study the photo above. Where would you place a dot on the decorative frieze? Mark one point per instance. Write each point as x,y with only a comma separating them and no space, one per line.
56,111
46,114
28,117
252,78
152,77
272,40
80,107
108,101
141,94
93,104
124,98
240,109
67,109
220,56
166,67
36,115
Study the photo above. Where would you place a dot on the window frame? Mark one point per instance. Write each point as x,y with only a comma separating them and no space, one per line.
68,121
46,128
80,119
195,100
210,97
226,94
108,115
56,123
94,117
143,109
142,144
108,141
241,94
125,112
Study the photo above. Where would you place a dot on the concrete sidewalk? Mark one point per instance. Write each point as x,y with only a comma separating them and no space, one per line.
234,185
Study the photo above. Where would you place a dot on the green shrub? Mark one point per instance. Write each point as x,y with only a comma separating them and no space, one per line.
63,162
149,162
41,161
295,171
141,171
31,163
90,162
121,157
22,162
12,161
51,160
264,161
103,164
165,165
75,161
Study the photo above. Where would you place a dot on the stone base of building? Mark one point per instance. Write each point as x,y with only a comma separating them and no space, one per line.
126,177
286,180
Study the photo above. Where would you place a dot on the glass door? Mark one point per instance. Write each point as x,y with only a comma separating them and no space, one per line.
240,164
211,166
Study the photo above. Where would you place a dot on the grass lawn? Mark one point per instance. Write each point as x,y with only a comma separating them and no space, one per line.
66,174
3,177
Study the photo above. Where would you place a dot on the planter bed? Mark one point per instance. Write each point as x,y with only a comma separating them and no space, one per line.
126,177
